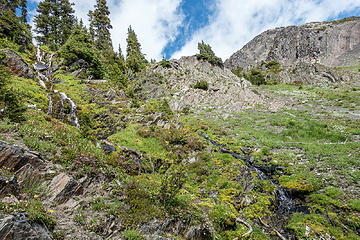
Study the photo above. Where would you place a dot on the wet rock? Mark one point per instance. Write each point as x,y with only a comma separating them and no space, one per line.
17,66
108,148
13,158
16,227
63,187
9,186
201,232
40,66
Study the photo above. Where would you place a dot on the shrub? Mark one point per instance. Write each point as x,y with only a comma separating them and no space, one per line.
80,46
207,54
132,235
165,63
171,184
238,71
255,77
202,84
9,101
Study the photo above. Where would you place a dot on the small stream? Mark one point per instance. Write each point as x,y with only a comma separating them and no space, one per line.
285,204
44,74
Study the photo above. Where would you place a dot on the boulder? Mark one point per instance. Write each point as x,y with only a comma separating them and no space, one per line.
17,66
13,158
16,227
62,187
9,186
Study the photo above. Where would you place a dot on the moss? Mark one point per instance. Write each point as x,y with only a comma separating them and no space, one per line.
301,182
319,226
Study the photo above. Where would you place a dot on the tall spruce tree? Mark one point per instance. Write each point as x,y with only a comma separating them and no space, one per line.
135,60
24,11
54,22
100,25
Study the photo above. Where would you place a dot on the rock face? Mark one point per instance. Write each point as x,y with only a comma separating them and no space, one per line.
13,157
332,44
15,227
225,91
17,65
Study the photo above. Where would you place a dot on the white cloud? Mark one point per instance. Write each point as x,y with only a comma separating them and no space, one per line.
238,21
154,21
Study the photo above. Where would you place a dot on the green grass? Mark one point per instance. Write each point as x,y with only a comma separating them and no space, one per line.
129,138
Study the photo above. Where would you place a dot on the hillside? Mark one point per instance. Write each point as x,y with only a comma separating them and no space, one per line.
95,146
332,44
314,53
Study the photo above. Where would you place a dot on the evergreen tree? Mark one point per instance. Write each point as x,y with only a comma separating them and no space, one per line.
135,60
81,46
12,27
54,22
23,6
10,5
100,25
68,20
121,60
206,53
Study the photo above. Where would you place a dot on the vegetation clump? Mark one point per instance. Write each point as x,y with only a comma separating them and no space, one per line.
207,54
202,84
165,63
255,76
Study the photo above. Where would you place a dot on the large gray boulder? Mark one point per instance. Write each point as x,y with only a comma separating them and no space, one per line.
16,227
16,64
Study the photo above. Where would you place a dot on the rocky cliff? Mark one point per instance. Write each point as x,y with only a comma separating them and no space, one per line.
332,44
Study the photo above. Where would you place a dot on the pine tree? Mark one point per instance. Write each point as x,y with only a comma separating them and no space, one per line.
54,22
135,60
100,25
23,6
81,46
206,53
121,60
68,20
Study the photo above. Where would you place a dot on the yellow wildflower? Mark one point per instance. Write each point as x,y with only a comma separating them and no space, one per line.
36,196
51,211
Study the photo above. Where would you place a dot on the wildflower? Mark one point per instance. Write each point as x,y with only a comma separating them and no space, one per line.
51,211
36,196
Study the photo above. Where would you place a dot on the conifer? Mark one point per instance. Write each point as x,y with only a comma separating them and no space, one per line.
23,6
135,60
100,25
54,22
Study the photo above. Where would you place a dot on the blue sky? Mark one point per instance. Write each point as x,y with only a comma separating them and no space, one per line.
172,28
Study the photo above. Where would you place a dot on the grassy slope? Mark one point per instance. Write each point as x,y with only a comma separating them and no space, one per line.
316,141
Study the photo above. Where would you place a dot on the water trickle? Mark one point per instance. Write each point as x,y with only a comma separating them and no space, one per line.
50,109
47,77
72,117
38,55
41,82
285,203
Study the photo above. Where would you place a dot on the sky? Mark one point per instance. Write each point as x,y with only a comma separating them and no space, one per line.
173,28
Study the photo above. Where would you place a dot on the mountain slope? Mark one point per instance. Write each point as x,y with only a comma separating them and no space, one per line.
331,44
